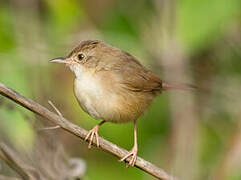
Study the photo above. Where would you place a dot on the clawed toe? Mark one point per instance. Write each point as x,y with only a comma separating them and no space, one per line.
133,154
93,132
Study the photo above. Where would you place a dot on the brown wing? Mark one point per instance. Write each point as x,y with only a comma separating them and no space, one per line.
135,77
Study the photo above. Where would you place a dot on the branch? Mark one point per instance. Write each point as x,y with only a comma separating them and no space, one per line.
81,133
7,155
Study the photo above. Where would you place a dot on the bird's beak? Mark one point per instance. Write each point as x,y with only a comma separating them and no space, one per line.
60,60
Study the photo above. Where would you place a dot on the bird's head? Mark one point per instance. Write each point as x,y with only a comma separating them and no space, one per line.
83,58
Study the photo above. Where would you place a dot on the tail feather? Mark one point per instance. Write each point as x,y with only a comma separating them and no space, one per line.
177,86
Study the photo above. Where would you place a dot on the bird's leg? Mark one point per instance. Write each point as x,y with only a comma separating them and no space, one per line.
94,132
134,150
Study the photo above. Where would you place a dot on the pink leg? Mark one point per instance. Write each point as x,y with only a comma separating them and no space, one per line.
94,132
133,151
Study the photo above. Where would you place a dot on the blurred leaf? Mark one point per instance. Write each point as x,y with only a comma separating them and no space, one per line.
16,128
14,74
199,23
7,39
118,23
65,14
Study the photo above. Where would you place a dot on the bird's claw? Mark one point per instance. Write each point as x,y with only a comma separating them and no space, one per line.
93,132
132,161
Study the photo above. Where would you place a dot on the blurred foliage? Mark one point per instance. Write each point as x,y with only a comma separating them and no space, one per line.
32,32
199,24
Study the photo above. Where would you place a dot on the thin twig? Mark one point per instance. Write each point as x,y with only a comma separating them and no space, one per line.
80,132
57,111
60,115
9,157
49,128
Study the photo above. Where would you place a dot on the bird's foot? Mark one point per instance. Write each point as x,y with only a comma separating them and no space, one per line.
133,154
93,132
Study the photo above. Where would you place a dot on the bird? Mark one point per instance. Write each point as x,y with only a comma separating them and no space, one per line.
113,86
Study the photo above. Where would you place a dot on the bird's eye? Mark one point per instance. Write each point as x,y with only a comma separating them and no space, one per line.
80,56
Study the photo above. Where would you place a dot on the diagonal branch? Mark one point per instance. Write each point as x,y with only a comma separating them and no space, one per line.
81,133
7,155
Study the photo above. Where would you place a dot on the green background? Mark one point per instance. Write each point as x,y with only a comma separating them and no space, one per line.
191,135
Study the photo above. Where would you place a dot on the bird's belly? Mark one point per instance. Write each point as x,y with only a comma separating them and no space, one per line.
110,103
87,105
88,94
104,104
98,102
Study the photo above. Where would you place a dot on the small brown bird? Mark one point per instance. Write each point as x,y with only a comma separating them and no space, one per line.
112,85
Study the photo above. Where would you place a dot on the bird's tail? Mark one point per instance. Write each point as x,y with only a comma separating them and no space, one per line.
177,86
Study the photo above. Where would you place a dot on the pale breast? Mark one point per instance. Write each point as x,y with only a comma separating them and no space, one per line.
103,98
88,93
95,98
